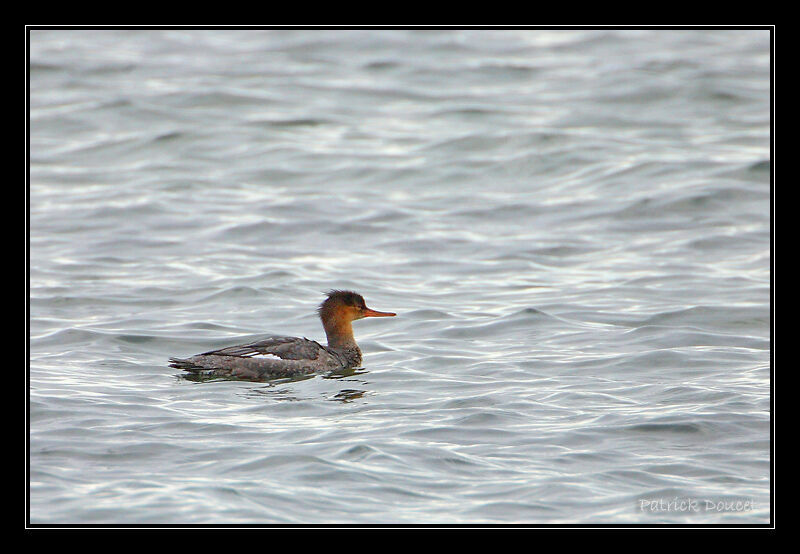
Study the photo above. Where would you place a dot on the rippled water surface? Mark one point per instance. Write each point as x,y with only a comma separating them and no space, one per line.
573,227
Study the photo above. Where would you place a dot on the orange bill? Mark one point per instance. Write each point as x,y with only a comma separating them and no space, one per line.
374,313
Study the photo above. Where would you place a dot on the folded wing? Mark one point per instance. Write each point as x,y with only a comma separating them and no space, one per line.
285,348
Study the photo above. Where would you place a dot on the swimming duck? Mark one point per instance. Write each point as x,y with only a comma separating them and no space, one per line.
275,356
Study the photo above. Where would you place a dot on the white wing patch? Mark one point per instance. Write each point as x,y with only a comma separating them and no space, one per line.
266,356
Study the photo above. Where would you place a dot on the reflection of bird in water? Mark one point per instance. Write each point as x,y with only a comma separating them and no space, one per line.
348,395
276,357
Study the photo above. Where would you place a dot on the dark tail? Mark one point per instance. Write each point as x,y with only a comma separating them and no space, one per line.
186,365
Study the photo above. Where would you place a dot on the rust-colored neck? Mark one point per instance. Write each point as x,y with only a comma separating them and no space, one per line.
339,331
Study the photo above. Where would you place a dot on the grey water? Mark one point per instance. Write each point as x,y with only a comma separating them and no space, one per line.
573,227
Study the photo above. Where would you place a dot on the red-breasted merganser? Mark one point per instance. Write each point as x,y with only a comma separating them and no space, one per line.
276,357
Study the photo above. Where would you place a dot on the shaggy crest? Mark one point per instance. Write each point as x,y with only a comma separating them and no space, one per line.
346,297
